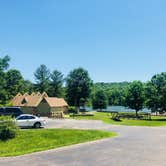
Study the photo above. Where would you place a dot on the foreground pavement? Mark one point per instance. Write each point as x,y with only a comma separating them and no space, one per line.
134,146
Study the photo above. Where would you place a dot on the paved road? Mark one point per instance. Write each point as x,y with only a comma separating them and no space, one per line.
135,146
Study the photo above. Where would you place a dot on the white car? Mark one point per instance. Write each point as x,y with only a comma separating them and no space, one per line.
28,120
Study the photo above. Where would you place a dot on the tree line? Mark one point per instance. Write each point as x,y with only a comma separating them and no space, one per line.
79,90
135,95
75,88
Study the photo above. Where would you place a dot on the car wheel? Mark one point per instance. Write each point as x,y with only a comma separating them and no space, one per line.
37,125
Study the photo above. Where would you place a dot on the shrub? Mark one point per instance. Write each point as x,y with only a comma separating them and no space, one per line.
72,109
9,104
8,128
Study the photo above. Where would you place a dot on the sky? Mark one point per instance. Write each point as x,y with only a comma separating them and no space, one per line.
115,40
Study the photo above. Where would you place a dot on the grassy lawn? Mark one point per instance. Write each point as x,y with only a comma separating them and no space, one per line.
156,121
28,141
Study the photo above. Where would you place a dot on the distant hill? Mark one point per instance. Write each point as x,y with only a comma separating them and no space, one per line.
115,91
111,85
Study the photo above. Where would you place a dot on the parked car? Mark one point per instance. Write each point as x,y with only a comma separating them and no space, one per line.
28,120
10,111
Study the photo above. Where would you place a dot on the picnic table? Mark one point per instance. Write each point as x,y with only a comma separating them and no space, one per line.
115,115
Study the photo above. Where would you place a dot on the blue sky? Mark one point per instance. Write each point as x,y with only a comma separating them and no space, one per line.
115,40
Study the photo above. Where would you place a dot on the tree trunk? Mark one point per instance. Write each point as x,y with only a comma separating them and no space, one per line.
77,109
136,114
76,106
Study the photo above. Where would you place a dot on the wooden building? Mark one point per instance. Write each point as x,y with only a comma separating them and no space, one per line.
39,104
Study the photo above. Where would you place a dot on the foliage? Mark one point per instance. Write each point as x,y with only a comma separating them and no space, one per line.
56,84
78,86
8,128
52,83
42,76
28,86
72,109
78,90
116,96
156,93
135,96
29,141
116,92
11,81
152,98
4,63
109,86
99,100
14,82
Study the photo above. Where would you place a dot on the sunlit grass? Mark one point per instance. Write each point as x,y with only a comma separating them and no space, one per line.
28,141
105,117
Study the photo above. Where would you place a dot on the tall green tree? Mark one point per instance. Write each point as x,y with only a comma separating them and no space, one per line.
152,97
155,93
163,99
56,84
100,100
42,77
4,64
135,96
14,83
78,86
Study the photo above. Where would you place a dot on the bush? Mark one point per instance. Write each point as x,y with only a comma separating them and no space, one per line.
8,128
72,109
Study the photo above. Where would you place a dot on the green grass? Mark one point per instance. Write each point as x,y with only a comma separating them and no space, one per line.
28,141
156,121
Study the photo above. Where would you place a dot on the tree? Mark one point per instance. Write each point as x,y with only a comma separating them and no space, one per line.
152,97
14,82
78,86
163,99
135,96
100,100
56,84
4,64
28,86
155,93
42,77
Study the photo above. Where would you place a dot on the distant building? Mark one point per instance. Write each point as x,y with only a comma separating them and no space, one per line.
41,104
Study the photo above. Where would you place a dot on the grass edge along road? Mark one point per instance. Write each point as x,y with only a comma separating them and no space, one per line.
156,120
29,141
